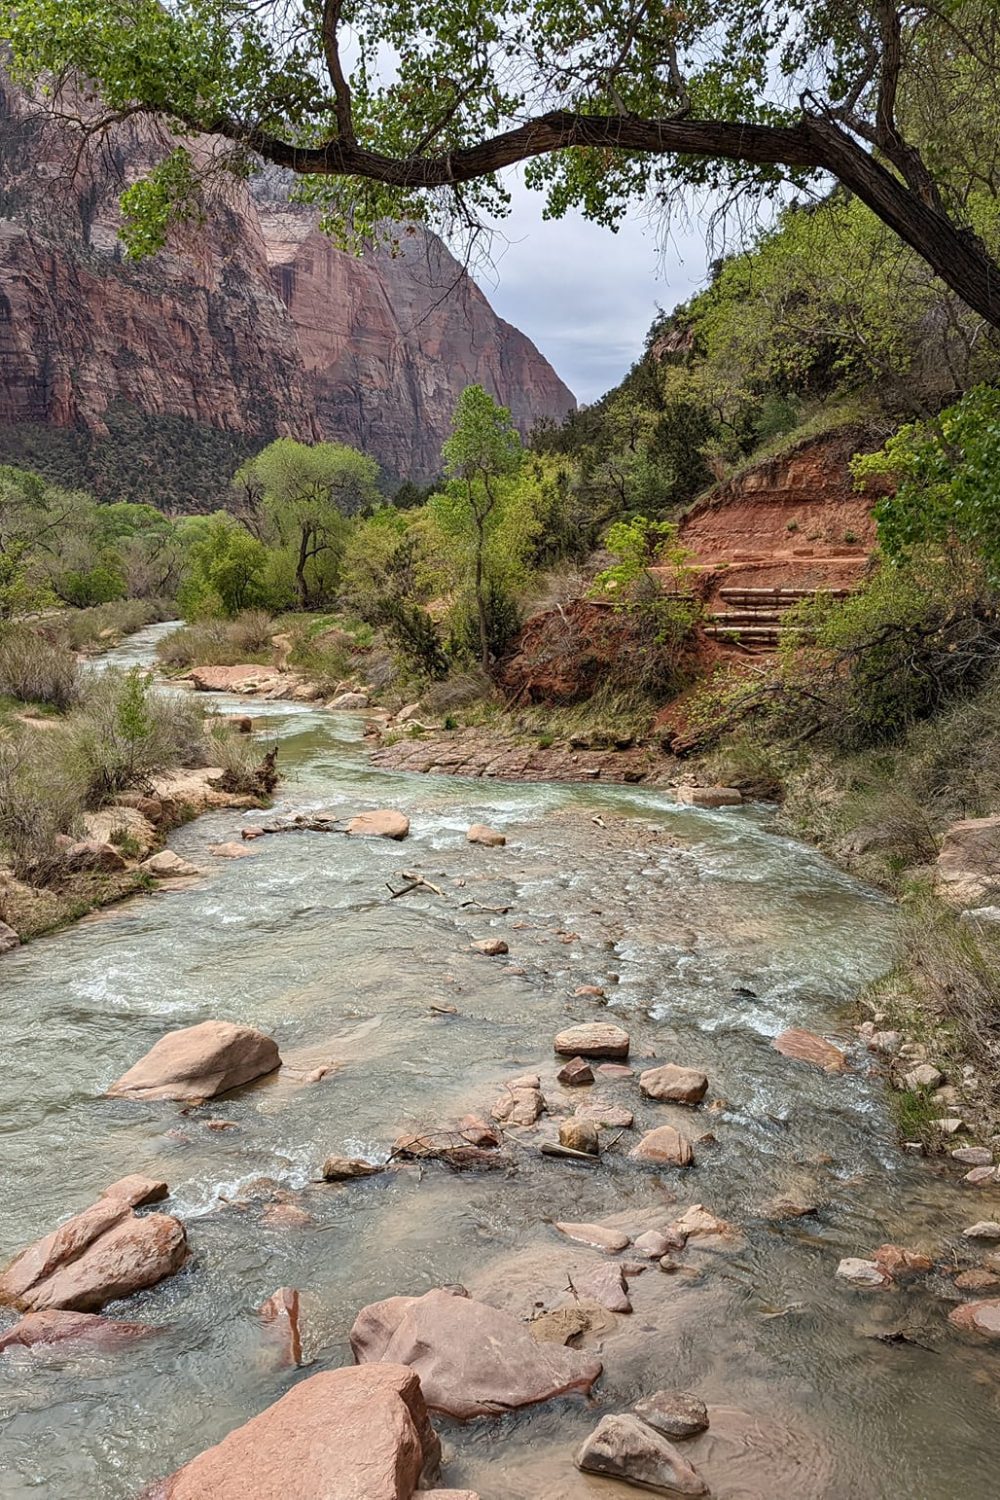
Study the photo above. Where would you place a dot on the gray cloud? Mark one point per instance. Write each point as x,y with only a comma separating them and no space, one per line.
586,296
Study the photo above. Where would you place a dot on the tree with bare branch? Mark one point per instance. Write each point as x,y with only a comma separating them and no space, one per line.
406,109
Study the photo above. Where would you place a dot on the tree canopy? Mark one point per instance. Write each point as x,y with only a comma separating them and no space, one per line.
396,109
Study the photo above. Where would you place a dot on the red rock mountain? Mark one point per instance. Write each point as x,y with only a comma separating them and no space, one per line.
151,380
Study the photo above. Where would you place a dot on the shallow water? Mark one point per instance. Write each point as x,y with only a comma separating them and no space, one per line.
677,913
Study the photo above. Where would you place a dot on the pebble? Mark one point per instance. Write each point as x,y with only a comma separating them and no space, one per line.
492,947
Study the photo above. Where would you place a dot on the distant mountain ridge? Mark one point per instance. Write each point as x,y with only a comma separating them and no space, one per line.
152,380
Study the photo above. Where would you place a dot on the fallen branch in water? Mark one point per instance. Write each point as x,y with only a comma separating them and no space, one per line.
416,882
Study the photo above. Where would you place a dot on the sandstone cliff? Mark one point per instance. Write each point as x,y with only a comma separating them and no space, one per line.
390,341
151,381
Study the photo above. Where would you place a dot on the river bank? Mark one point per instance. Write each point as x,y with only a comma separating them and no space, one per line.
118,848
709,933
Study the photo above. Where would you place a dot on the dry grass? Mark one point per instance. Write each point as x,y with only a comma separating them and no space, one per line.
221,643
34,669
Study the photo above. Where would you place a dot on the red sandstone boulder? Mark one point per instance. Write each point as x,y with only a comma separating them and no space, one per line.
383,824
137,1191
55,1326
198,1062
674,1085
105,1252
803,1046
473,1360
481,833
593,1039
352,1434
92,856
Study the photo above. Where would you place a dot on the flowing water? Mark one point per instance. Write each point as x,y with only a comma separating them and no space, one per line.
709,931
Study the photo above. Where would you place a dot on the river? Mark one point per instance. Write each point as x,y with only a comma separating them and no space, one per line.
710,933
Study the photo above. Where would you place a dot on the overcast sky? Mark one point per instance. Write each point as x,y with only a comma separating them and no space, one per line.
586,296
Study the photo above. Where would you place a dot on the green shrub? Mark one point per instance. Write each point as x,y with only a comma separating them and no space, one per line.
42,796
125,732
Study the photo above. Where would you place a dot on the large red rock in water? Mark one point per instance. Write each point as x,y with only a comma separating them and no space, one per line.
54,1326
199,1062
473,1360
665,1146
354,1434
105,1252
803,1046
381,824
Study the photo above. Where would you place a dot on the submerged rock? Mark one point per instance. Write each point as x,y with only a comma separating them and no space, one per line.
521,1103
606,1285
623,1447
103,1253
593,1039
381,824
978,1317
664,1146
473,1360
656,1243
804,1046
229,850
674,1085
199,1062
280,1315
353,1434
607,1116
697,1220
677,1414
57,1326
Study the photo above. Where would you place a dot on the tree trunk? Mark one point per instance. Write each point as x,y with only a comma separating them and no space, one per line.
814,143
301,589
484,633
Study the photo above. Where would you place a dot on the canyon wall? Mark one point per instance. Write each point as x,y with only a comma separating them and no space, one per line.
153,379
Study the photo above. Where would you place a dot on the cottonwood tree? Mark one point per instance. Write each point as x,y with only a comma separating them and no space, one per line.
306,494
401,108
483,451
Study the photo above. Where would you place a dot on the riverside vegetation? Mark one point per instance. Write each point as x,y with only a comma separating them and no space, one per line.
541,603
